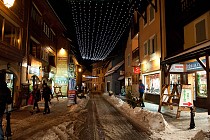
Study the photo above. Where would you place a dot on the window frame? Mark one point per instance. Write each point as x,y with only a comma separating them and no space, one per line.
150,21
206,29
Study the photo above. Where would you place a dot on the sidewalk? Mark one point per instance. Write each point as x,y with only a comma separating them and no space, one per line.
201,118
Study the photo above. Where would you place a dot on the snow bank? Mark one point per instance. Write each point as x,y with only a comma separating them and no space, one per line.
152,121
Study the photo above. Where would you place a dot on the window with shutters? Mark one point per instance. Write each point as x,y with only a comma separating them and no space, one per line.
145,49
145,19
153,44
151,13
200,31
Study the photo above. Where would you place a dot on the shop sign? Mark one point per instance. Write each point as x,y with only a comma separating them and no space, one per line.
34,70
186,98
195,65
136,70
177,68
71,97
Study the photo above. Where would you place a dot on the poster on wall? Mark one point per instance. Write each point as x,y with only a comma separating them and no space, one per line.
186,99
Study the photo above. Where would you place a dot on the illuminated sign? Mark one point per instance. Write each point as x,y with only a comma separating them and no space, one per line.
136,70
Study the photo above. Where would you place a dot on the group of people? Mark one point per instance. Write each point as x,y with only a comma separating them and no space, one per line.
5,99
37,96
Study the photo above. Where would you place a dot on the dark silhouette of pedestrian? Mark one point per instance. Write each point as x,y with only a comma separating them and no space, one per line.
5,98
47,93
37,97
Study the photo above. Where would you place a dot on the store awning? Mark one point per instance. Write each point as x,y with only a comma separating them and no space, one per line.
192,53
121,77
113,69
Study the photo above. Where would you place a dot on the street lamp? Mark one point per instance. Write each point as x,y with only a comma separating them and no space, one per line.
80,70
9,3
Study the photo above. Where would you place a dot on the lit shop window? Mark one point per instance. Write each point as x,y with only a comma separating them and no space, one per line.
201,84
152,83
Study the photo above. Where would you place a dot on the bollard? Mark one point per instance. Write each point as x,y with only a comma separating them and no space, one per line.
8,132
192,122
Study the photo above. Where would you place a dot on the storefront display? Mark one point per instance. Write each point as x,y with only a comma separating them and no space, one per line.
152,83
201,84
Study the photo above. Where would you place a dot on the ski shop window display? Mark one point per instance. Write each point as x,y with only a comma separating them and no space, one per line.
201,84
152,83
175,79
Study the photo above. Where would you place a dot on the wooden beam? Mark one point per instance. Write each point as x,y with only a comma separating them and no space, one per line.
202,64
208,83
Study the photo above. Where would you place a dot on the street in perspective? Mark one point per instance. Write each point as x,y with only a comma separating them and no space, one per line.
105,69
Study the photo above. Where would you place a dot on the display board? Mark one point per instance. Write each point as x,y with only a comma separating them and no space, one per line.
186,98
71,97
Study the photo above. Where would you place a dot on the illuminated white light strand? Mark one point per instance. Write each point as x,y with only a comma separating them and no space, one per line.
96,44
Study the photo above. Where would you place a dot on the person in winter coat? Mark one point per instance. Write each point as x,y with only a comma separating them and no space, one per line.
5,98
47,93
37,97
141,93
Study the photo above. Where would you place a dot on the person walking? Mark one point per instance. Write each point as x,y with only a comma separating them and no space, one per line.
46,95
37,97
141,93
5,98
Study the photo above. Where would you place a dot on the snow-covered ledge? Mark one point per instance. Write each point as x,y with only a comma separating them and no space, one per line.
152,121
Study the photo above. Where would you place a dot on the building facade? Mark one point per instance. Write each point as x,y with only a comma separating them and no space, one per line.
187,41
11,45
150,49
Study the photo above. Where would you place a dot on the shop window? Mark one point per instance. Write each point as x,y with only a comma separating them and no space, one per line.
152,83
201,84
200,31
175,79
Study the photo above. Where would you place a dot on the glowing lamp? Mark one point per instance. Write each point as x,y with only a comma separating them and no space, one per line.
9,3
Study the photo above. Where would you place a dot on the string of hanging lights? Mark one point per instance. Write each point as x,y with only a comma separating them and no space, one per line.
99,25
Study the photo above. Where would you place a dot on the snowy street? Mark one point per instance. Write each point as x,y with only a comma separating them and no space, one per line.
95,119
101,117
108,123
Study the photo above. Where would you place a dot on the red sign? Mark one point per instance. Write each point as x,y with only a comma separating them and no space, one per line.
136,70
187,104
